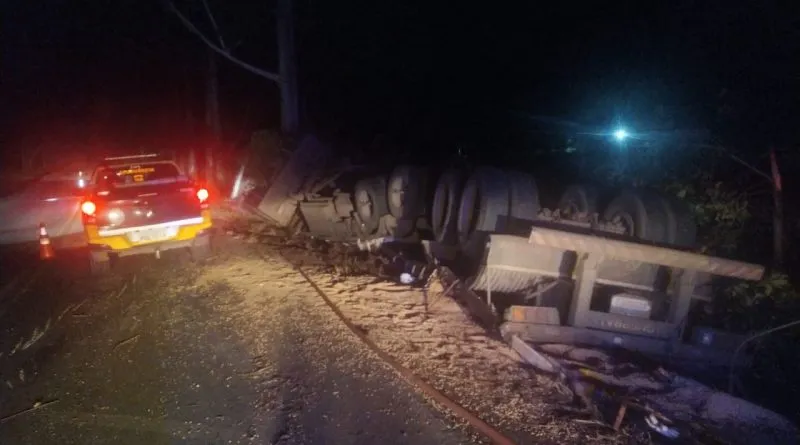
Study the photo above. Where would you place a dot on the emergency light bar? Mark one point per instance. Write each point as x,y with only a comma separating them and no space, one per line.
121,158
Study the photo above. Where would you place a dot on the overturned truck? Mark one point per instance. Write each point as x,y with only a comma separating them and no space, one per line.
617,272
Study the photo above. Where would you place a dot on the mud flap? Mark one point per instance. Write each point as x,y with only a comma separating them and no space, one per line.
511,264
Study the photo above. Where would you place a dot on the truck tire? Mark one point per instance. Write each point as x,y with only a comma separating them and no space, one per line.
682,228
644,217
524,202
484,208
99,263
579,198
444,206
406,192
642,213
370,203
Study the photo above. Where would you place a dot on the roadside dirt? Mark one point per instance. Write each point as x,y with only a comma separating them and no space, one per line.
442,345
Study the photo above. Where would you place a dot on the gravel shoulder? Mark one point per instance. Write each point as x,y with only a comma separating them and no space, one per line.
442,345
447,349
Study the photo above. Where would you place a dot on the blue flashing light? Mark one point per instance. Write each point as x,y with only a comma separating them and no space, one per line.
621,134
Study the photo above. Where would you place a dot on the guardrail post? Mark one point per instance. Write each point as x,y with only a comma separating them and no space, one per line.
585,276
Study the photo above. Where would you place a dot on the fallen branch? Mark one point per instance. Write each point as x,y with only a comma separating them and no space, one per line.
126,341
124,288
37,405
37,334
64,312
732,372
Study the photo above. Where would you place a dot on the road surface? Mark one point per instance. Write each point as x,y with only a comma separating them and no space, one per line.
237,350
53,200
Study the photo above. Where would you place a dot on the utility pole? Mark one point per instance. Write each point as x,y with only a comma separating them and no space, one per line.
212,115
287,68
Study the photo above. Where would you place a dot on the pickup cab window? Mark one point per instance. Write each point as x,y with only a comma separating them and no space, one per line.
123,176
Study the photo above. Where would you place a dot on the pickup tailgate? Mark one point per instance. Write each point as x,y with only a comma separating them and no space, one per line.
149,205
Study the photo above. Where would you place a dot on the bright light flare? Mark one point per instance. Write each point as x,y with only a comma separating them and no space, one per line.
88,208
621,134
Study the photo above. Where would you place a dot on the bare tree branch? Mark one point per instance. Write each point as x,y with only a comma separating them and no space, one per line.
253,69
214,25
753,169
739,160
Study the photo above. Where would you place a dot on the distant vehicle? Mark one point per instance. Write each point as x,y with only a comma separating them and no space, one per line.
143,204
52,200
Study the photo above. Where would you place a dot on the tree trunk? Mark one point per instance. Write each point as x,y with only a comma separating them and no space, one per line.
212,115
288,67
190,127
777,215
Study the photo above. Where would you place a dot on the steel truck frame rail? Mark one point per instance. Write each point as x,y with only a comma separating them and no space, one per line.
539,324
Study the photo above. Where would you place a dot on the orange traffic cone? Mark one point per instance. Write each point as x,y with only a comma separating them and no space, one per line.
46,251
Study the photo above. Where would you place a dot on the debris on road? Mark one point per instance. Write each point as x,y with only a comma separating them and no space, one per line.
36,406
126,341
441,344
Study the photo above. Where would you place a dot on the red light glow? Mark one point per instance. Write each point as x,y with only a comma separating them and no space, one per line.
88,208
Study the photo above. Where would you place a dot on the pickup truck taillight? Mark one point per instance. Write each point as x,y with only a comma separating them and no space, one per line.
88,208
202,195
89,212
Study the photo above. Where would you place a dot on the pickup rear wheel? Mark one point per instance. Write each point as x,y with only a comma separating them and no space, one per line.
99,263
201,248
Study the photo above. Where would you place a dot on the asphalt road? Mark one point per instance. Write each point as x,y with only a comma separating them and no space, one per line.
237,350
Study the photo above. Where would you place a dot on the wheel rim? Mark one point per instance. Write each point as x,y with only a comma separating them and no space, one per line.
570,209
397,193
626,219
364,201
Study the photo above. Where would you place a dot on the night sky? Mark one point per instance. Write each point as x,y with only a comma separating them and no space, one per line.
432,75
